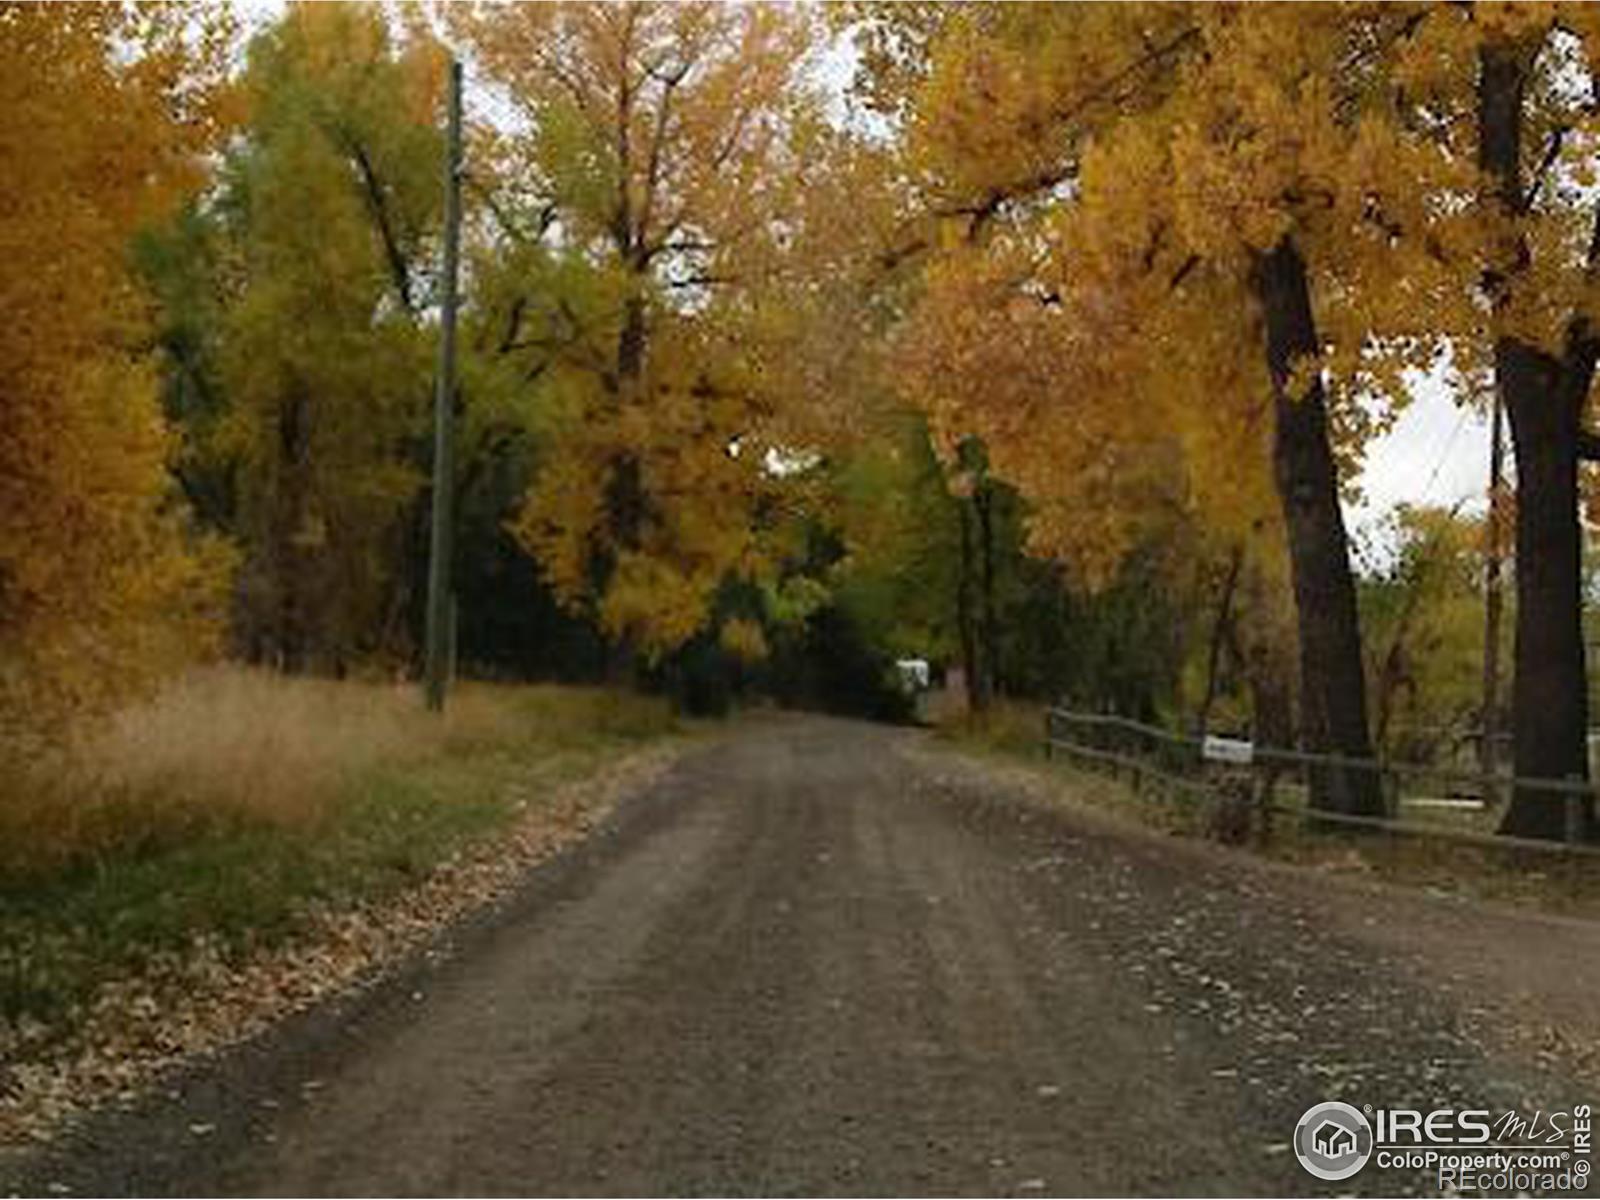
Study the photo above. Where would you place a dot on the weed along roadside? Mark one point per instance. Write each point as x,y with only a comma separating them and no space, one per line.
245,845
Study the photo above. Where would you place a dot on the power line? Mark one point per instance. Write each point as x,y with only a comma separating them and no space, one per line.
1444,454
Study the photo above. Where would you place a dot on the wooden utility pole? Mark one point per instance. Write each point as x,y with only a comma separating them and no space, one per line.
441,542
1489,722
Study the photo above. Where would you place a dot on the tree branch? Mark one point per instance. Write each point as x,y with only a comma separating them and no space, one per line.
377,197
1552,149
546,216
982,210
652,174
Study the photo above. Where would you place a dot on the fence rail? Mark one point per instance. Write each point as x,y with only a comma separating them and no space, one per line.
1180,763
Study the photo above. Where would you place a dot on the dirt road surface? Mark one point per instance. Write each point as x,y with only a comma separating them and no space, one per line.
821,957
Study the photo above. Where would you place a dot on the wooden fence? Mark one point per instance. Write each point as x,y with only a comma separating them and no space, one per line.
1199,767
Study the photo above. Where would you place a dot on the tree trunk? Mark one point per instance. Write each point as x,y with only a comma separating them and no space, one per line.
400,624
983,505
1219,638
1543,396
1549,696
1272,706
622,663
1262,645
292,633
1333,690
977,696
1493,604
626,505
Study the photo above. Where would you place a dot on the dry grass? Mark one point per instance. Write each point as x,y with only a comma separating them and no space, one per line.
228,747
1009,726
231,810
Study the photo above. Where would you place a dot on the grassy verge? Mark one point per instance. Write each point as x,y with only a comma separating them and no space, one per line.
237,806
1437,865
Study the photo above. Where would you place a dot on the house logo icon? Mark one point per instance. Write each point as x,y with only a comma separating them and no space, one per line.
1333,1140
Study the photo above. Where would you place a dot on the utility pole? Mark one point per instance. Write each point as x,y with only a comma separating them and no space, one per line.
440,546
1492,602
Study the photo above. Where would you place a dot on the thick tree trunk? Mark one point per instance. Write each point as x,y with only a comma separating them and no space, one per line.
1544,397
1493,606
1549,696
1333,690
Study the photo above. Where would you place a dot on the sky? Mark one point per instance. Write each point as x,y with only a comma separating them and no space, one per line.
1437,453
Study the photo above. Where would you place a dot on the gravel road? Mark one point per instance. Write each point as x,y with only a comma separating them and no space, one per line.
821,957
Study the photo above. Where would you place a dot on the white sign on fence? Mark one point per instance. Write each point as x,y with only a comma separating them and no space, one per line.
1228,750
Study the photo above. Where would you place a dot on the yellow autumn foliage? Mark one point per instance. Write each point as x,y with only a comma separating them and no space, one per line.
664,143
1090,314
103,113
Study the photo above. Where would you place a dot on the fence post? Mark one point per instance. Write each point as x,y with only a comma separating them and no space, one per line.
1266,798
1049,735
1573,811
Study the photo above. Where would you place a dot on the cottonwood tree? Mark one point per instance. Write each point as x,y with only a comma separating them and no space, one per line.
1536,133
1511,90
105,114
322,225
1183,227
648,178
